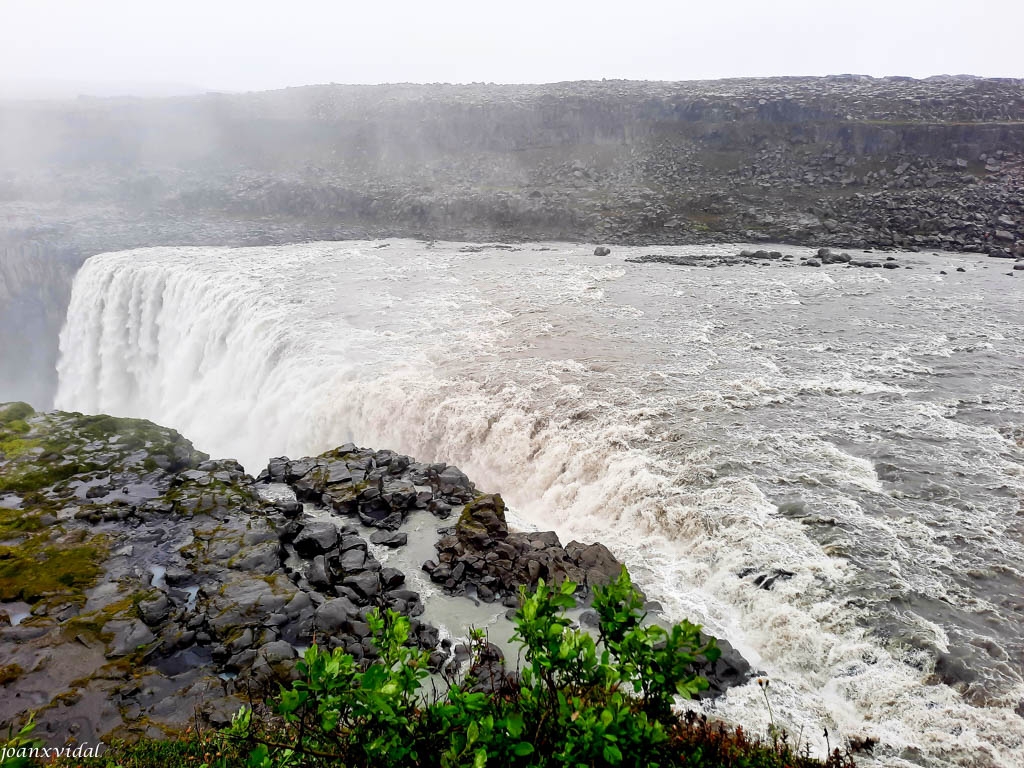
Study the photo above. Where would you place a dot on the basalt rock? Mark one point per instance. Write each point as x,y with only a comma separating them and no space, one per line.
141,553
180,570
481,555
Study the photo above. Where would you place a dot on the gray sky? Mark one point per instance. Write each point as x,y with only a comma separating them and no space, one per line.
253,45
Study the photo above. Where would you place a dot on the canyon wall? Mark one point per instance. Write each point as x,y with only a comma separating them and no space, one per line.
845,161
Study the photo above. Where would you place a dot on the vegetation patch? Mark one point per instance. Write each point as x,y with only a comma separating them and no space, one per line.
91,625
45,474
38,568
578,700
9,673
10,412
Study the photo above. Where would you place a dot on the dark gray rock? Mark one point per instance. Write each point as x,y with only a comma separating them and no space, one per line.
389,538
155,610
353,560
391,578
333,614
315,538
366,584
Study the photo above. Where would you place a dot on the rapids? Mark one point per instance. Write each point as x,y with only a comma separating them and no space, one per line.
859,429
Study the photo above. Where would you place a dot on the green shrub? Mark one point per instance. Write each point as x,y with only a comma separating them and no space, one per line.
577,701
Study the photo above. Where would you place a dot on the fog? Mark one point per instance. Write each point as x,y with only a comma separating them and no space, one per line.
210,162
57,48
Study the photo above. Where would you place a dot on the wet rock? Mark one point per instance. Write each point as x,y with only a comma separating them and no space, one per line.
488,672
333,614
453,481
353,560
290,509
155,610
391,578
128,637
277,651
366,584
729,670
263,558
602,251
316,538
389,539
317,573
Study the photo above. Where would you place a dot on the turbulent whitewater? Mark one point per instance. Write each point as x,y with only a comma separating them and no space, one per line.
861,430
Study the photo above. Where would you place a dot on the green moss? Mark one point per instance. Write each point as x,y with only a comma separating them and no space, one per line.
16,522
91,625
35,477
14,447
18,426
470,523
10,673
37,569
10,412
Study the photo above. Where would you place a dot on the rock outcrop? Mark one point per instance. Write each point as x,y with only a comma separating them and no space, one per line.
480,556
142,583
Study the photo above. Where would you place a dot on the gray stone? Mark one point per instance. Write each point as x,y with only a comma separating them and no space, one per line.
154,611
365,584
317,573
389,538
334,613
351,541
353,560
129,636
277,652
315,538
264,558
451,480
391,578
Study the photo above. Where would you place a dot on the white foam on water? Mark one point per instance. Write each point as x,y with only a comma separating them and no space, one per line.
606,402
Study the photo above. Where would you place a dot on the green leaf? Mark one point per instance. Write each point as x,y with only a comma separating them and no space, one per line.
523,748
472,733
514,724
480,758
612,754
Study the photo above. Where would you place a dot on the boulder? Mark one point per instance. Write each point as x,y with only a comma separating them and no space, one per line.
389,538
483,519
334,613
316,538
365,584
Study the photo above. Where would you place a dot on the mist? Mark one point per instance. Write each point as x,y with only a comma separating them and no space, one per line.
126,125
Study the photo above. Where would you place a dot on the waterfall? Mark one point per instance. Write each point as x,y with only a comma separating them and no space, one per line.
651,409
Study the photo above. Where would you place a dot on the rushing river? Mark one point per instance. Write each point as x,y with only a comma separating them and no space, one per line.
851,437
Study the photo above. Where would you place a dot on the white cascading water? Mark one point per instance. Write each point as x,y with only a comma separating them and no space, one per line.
671,413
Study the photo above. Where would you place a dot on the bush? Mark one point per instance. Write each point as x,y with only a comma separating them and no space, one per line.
578,701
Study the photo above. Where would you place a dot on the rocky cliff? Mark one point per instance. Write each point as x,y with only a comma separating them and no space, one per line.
35,287
143,584
843,161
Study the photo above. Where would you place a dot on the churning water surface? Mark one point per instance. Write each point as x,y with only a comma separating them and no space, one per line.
851,437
